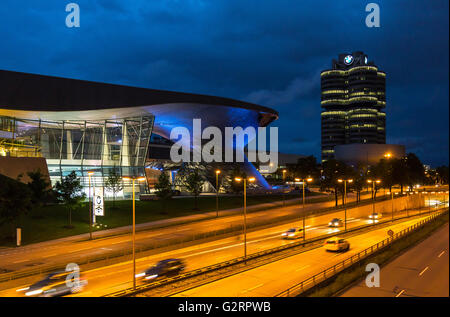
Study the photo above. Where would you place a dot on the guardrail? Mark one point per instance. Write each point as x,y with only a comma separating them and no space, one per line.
255,257
331,271
115,257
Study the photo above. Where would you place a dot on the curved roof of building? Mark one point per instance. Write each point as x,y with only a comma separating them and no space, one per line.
31,92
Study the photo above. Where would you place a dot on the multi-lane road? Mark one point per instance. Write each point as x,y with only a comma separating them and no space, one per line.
422,271
106,279
66,251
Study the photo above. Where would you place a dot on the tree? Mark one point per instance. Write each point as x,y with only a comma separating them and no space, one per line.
236,187
306,167
163,189
399,172
442,174
194,184
15,200
69,192
359,179
40,189
114,183
384,170
332,171
415,170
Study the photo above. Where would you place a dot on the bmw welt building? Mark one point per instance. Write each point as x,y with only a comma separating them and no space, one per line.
84,126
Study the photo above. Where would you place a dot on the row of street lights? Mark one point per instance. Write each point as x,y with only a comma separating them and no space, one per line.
237,179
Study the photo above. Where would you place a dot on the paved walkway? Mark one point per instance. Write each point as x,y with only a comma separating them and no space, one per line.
162,223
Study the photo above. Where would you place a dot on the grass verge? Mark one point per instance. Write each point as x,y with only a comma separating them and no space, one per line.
50,222
356,272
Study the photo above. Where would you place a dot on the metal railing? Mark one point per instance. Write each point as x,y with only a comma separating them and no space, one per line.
144,250
333,270
251,261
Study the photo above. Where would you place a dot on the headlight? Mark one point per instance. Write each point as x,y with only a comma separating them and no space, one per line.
22,289
284,234
291,234
335,223
140,275
151,276
36,292
329,223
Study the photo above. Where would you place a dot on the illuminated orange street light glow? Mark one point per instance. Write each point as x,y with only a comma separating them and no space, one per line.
217,192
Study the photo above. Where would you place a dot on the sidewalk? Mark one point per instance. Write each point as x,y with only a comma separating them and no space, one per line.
162,223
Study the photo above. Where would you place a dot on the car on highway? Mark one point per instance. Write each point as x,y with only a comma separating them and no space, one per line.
55,284
375,215
335,222
293,233
164,268
337,244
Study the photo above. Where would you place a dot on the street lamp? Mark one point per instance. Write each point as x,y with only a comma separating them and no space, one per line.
139,179
303,204
388,155
90,206
217,192
373,198
345,181
250,179
282,193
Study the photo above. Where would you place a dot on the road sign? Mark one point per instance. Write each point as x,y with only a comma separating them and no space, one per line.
99,208
390,232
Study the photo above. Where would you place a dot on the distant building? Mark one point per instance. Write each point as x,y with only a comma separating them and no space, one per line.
369,154
353,101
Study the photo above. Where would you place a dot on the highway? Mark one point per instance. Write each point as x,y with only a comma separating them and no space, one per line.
41,254
107,279
422,271
273,278
110,278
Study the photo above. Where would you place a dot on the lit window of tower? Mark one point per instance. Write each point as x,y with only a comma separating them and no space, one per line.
353,101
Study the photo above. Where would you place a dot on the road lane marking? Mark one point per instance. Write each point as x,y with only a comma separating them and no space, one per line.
251,289
401,292
302,268
423,271
440,254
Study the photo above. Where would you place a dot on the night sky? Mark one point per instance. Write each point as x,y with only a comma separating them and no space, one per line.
266,52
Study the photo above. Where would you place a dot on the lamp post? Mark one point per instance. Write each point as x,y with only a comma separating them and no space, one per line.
303,204
284,178
345,181
90,206
139,179
217,192
250,179
370,181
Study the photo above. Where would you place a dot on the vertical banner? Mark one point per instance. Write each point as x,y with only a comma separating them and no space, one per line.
99,209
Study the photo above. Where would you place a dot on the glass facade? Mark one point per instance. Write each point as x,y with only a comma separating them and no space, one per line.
353,101
83,146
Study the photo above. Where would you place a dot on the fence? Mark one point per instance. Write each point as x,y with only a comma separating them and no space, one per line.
331,271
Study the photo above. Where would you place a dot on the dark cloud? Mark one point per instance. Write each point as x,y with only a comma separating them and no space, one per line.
268,52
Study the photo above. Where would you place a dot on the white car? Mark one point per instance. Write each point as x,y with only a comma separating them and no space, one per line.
337,244
293,233
375,215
